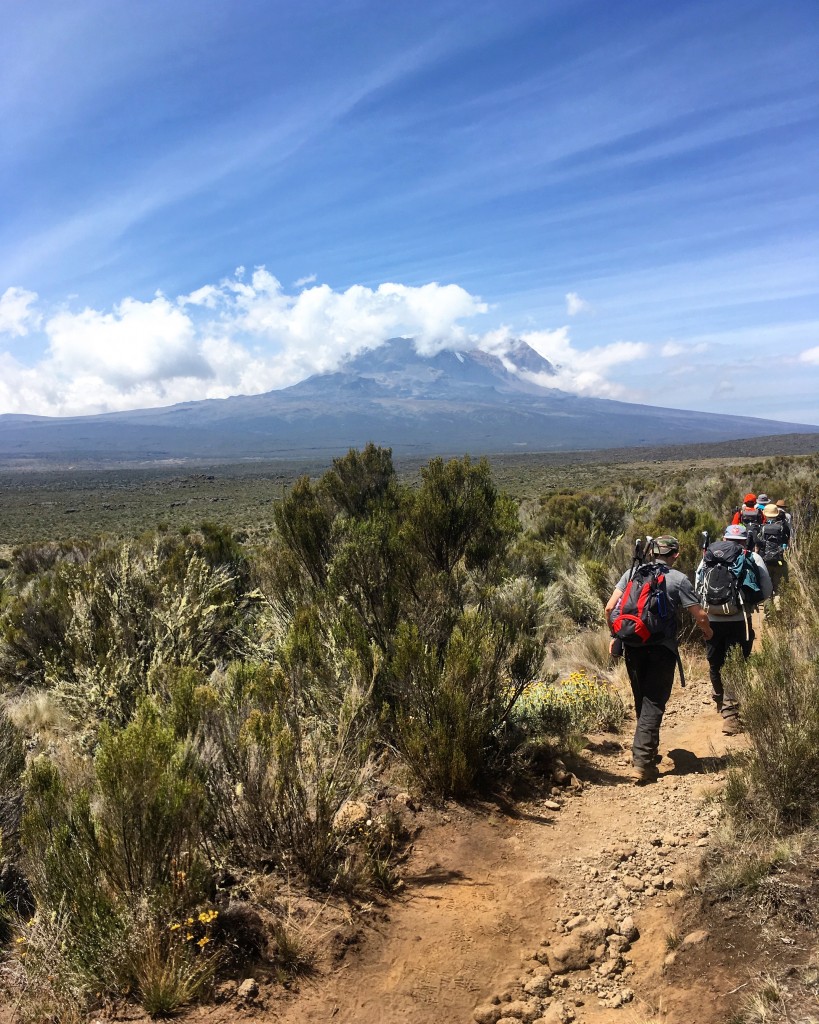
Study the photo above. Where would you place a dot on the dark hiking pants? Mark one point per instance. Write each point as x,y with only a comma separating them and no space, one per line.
726,635
651,673
778,572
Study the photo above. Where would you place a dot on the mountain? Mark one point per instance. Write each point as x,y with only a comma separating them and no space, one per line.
448,403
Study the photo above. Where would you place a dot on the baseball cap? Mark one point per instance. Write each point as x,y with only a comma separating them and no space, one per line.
665,545
749,499
770,511
735,532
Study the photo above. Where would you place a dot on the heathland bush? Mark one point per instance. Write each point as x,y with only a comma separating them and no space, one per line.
416,584
113,851
91,631
283,756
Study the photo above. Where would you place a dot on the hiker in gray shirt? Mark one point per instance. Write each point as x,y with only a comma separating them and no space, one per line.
651,666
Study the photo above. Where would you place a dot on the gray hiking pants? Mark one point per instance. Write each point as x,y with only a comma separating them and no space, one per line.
651,674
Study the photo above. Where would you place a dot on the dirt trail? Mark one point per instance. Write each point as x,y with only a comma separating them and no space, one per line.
486,888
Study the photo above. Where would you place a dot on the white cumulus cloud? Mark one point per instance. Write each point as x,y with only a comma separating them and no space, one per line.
582,371
810,355
16,315
575,305
137,342
247,334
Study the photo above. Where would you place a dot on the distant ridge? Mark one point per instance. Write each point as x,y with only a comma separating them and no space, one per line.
447,403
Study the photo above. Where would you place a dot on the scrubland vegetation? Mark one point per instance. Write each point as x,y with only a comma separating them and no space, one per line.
186,714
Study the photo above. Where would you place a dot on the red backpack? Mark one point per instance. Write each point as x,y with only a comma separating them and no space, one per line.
645,615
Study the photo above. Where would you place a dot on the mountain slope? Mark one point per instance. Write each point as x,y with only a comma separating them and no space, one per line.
447,403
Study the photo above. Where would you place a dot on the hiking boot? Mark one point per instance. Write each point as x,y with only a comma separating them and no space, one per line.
731,726
641,773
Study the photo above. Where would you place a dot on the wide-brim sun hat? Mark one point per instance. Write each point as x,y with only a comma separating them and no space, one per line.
762,499
770,511
782,503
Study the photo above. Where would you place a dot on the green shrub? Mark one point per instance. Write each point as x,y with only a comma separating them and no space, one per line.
449,705
126,835
585,524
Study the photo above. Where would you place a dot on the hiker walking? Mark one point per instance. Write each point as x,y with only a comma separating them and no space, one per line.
782,505
748,514
750,517
772,544
647,600
732,581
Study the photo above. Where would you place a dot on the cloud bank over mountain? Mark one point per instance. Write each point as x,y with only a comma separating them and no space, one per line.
248,335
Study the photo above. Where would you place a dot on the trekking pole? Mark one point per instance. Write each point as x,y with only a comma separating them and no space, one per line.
638,556
706,540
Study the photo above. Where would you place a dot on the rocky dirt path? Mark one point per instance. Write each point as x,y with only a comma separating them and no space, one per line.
505,907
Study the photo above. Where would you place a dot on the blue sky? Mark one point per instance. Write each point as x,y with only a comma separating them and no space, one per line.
629,186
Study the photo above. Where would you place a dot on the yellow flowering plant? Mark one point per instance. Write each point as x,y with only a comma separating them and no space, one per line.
575,704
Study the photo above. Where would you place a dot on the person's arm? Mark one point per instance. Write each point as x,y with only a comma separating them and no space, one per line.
611,604
700,616
764,577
